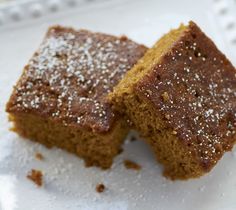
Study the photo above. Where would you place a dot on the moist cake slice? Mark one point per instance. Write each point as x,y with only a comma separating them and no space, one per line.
181,96
60,98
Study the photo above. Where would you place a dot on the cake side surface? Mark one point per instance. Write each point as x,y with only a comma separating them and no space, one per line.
188,96
96,149
178,162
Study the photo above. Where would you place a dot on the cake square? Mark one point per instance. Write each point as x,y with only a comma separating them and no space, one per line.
181,96
60,99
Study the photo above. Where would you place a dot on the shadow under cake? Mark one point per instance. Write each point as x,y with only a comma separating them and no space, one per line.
181,96
60,99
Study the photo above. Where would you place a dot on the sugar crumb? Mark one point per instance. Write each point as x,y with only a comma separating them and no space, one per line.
174,132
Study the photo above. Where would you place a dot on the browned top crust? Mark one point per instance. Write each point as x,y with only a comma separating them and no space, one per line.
194,89
69,76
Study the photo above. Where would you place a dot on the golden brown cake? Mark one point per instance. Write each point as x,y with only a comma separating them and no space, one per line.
181,96
60,98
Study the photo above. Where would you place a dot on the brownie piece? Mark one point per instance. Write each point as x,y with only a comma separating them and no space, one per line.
60,99
181,96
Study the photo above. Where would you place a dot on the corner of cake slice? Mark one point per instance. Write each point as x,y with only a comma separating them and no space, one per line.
181,96
60,99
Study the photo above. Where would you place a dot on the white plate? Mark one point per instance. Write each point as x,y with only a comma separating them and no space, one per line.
68,184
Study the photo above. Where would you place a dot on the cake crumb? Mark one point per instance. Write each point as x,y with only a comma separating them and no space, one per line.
165,97
133,138
39,156
131,165
36,176
100,188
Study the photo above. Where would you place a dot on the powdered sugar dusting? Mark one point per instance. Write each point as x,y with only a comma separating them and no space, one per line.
72,72
195,89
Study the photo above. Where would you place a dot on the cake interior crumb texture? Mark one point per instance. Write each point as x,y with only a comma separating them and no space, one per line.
60,99
181,96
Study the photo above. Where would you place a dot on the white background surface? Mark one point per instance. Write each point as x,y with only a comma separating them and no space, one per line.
67,184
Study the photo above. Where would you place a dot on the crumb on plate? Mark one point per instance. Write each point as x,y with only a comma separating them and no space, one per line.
36,176
100,188
39,156
133,138
131,165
